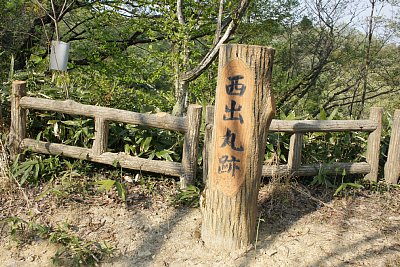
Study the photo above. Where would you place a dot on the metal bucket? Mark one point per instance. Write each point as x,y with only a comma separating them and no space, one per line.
59,55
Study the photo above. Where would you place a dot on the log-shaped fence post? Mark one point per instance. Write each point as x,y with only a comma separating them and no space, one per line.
190,145
1,114
244,107
392,166
373,146
100,136
295,147
209,121
18,118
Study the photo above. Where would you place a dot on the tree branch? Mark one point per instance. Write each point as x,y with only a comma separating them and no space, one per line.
219,22
212,53
179,13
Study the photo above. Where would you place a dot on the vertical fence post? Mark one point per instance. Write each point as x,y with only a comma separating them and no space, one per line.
243,112
295,147
100,136
18,118
207,140
190,145
1,113
392,166
373,146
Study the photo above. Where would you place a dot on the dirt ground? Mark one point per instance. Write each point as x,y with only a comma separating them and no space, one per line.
298,226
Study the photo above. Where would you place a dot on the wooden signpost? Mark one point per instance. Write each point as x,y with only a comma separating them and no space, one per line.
243,112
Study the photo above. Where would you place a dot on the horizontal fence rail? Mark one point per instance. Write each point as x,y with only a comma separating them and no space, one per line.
159,120
190,125
297,128
124,160
304,126
315,169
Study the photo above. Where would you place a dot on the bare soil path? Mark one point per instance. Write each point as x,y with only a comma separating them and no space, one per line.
296,228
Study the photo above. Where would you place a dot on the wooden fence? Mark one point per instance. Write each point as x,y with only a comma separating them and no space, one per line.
298,127
189,125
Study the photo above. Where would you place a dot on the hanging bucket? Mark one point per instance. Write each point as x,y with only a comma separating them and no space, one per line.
59,55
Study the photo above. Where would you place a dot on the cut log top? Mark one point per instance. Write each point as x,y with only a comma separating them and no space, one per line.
163,120
18,82
302,126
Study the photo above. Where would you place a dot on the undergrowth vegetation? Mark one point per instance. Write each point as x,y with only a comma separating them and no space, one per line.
73,250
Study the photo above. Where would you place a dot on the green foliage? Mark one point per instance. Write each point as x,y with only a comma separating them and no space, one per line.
278,143
380,187
277,147
109,184
144,142
36,168
67,129
188,197
149,185
321,179
344,186
70,181
333,146
74,250
354,187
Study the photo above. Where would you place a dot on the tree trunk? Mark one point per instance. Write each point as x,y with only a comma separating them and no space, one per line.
367,58
181,97
181,64
243,113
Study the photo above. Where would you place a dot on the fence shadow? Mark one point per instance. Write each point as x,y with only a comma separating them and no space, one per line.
154,237
282,209
288,211
370,253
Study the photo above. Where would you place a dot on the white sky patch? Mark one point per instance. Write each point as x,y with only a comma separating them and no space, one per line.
356,14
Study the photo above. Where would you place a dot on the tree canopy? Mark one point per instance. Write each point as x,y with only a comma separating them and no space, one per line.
149,54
